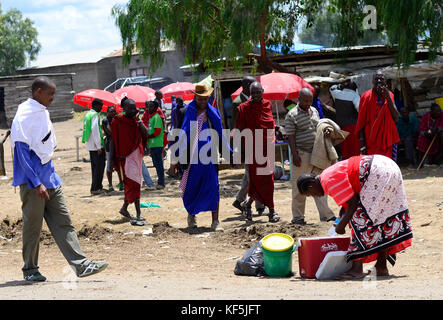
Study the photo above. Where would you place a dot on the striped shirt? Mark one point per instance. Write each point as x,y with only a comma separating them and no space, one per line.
303,125
335,182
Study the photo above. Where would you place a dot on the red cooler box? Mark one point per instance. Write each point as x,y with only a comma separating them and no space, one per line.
311,252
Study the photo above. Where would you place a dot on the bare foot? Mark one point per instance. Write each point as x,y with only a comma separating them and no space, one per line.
125,213
382,272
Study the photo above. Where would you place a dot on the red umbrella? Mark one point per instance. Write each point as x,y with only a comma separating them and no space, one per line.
277,85
178,89
85,98
137,93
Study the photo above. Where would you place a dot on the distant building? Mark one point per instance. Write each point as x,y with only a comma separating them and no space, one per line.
90,67
16,89
98,68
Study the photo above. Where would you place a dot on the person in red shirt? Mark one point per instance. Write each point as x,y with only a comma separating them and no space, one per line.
130,137
377,116
371,190
256,114
431,130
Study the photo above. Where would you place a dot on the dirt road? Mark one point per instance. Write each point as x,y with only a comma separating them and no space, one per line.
173,262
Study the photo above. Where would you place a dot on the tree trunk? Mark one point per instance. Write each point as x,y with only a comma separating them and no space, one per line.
265,63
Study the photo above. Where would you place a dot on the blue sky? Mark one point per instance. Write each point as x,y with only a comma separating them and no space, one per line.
70,25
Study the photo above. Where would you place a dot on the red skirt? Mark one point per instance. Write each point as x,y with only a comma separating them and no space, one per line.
261,187
132,190
351,145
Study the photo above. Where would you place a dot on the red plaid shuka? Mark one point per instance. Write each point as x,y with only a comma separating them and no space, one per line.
426,124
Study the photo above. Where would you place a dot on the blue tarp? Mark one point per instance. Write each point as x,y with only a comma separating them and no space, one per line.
296,48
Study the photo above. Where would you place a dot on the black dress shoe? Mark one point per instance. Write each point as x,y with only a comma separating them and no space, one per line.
300,222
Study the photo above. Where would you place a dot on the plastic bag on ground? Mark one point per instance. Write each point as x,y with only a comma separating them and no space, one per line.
252,263
149,205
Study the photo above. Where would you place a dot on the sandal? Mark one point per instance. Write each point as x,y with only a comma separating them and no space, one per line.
139,223
192,222
350,276
381,275
274,217
121,187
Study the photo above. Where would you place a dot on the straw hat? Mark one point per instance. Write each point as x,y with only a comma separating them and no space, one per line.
202,91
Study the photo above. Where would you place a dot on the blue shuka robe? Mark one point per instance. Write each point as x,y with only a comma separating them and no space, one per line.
200,184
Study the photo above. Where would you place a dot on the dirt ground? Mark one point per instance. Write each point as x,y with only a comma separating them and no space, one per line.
173,262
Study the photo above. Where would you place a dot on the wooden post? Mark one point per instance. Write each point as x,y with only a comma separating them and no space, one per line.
2,154
77,147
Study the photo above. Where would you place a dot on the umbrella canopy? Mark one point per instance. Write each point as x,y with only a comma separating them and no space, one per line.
85,98
137,93
178,89
278,85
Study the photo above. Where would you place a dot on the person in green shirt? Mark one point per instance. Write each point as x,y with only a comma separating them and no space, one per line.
155,139
93,139
289,104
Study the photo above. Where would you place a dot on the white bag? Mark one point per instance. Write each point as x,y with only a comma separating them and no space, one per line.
333,265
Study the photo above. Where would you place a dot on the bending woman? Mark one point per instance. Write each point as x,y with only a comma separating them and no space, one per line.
371,191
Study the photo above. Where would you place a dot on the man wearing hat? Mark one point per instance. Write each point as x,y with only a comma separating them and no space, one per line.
199,184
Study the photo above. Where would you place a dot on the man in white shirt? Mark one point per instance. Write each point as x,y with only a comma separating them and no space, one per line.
42,198
93,137
346,102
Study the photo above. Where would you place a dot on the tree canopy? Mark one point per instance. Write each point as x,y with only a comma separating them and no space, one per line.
217,32
407,24
18,41
324,31
210,32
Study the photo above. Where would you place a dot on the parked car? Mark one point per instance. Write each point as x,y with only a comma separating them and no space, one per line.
153,83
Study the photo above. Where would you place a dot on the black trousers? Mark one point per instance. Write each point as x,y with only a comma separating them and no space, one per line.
98,163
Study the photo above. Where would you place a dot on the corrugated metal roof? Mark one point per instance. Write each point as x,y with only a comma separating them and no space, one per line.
83,56
20,76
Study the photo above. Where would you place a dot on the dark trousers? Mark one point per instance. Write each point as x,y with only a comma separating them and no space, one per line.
98,169
157,160
410,143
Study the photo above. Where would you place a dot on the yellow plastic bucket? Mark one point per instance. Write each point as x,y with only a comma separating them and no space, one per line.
277,242
277,254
